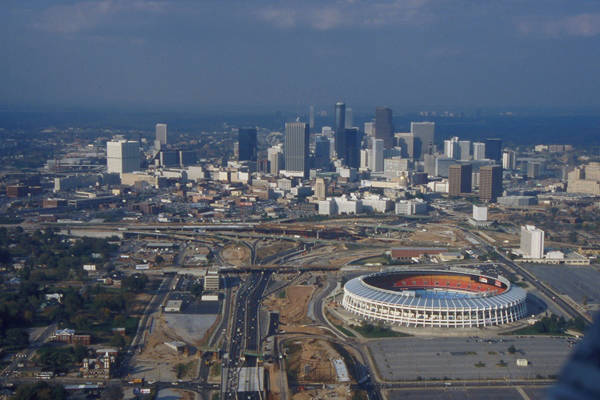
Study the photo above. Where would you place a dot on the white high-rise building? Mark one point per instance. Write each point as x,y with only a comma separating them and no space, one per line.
370,128
122,156
275,157
478,151
532,242
509,159
480,213
161,133
451,149
376,156
364,159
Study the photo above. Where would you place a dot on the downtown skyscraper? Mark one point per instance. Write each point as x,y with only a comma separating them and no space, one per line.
340,129
296,148
247,144
384,128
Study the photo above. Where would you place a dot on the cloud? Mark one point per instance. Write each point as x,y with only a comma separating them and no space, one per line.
582,25
86,15
349,13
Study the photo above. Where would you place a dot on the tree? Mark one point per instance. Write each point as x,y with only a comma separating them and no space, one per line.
117,341
112,392
40,391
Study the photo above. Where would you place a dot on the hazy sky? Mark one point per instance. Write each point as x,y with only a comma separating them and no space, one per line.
168,54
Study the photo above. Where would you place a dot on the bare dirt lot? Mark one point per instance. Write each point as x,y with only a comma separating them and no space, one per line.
236,254
271,247
310,361
291,303
438,236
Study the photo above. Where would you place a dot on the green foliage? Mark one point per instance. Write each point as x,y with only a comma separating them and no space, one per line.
376,331
281,294
58,359
135,282
552,325
182,370
112,392
40,391
118,341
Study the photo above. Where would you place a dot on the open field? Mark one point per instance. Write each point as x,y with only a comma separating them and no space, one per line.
266,249
291,303
236,254
438,236
466,358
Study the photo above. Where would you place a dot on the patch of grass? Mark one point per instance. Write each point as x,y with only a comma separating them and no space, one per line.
492,353
372,331
215,369
502,363
480,364
281,294
522,284
344,330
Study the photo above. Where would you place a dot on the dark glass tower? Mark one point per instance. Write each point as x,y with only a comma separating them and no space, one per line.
493,149
247,144
384,128
352,150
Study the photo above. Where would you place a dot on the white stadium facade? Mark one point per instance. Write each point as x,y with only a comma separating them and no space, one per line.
435,298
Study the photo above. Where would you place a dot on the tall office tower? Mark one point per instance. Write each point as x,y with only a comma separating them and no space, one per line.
493,149
384,128
320,189
478,151
275,157
465,150
122,156
340,129
352,151
364,159
509,159
348,120
247,144
370,128
459,179
322,151
490,182
406,141
161,133
296,148
451,149
424,134
532,242
376,157
311,117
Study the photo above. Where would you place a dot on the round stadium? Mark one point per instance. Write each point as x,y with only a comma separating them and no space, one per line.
435,298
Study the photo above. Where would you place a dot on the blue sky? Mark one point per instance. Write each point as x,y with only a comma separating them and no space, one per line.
194,54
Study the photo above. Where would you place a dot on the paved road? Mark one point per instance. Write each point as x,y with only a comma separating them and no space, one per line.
244,335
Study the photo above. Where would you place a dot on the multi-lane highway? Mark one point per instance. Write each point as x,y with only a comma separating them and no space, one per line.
244,335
